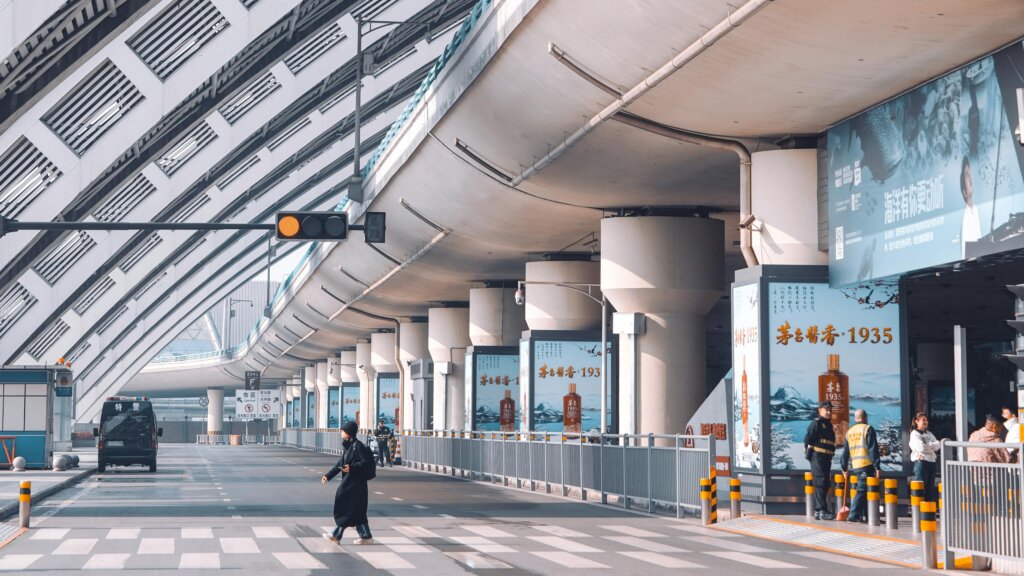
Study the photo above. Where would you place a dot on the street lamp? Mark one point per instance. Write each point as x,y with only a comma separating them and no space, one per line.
585,289
231,314
355,185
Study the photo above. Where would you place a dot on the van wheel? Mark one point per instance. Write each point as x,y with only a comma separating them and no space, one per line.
101,466
152,466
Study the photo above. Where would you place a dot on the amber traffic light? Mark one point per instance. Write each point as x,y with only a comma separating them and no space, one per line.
329,226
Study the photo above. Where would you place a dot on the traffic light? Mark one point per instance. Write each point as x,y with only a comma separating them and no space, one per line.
330,226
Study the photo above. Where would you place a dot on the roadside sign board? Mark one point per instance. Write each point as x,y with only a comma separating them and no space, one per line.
257,404
252,380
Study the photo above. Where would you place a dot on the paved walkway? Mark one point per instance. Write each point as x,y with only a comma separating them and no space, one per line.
42,480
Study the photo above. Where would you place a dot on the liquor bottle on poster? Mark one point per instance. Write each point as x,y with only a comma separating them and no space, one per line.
571,416
834,387
507,413
744,406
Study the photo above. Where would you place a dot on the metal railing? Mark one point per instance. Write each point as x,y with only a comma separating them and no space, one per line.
981,502
236,439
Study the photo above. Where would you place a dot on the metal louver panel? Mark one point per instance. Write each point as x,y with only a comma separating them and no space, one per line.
188,251
122,202
75,354
370,8
47,339
177,34
120,337
323,108
191,208
288,133
94,294
84,376
149,285
58,260
24,174
249,97
237,171
93,107
313,48
139,252
186,148
13,305
249,3
110,319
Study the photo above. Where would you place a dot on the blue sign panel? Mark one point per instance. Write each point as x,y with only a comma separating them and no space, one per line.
931,177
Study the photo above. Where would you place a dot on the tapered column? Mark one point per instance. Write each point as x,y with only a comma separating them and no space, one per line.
367,375
447,340
215,411
308,389
383,346
286,418
553,307
412,346
494,317
784,198
321,394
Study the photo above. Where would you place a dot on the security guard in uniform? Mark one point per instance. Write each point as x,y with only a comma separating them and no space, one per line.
861,457
819,447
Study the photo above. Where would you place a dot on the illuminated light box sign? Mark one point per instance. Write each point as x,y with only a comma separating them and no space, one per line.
836,345
565,380
349,402
387,399
492,388
931,177
746,386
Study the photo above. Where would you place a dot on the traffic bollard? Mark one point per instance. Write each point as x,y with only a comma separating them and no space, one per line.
840,481
891,517
734,497
713,478
940,497
25,503
916,497
929,552
809,495
705,501
873,501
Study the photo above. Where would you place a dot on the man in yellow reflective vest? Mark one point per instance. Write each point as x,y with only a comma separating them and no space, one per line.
861,457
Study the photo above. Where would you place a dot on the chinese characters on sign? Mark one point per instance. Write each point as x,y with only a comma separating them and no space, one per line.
494,404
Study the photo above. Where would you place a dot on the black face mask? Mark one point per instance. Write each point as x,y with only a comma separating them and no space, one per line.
347,443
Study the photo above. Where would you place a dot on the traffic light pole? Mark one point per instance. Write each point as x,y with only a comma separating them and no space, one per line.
8,225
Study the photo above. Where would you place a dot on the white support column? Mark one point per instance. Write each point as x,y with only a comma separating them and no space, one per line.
367,378
784,199
448,337
671,270
550,307
494,317
382,358
412,346
348,375
215,411
321,394
308,387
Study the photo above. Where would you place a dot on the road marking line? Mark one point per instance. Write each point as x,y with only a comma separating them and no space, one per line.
123,534
196,533
299,561
409,548
661,560
844,560
419,507
396,498
563,544
488,531
482,544
156,546
75,546
393,540
568,560
378,493
236,517
385,560
18,561
269,532
759,561
631,531
200,560
562,531
477,560
643,544
416,532
446,516
320,546
239,546
50,534
703,531
729,544
106,562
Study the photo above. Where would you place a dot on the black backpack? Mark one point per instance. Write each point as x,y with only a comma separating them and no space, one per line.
369,464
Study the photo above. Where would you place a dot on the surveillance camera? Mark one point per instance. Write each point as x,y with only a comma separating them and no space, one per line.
520,297
747,221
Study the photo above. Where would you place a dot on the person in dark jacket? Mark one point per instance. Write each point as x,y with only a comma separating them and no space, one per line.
384,436
352,497
819,447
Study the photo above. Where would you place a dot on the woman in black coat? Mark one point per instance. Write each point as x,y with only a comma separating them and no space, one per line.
351,498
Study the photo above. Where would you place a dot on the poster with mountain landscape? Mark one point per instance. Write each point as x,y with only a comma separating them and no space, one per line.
840,345
559,367
493,376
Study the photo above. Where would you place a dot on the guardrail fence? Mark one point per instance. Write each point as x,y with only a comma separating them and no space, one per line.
236,439
981,503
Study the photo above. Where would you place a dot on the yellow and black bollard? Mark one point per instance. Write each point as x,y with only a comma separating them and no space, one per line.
705,501
940,496
25,503
840,491
809,495
916,497
891,517
929,552
873,501
735,498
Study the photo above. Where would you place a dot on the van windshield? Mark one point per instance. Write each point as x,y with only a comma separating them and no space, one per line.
128,421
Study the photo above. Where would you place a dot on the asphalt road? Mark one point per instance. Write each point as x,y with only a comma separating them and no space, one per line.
252,509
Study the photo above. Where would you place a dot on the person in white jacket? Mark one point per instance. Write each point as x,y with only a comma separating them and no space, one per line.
924,450
1012,431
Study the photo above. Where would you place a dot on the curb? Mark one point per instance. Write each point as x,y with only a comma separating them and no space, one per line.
12,509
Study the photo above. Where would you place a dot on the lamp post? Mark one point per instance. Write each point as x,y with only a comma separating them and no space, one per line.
231,315
583,288
355,185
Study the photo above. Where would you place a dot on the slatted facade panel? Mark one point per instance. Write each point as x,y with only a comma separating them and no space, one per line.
75,354
191,208
59,259
13,305
110,319
249,3
237,171
177,34
24,174
368,9
47,339
323,108
288,133
93,107
186,148
139,252
145,288
313,48
122,202
95,293
188,251
249,97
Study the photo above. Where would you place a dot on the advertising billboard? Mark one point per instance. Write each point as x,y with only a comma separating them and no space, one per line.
567,386
746,385
387,399
349,402
930,177
333,407
837,345
495,391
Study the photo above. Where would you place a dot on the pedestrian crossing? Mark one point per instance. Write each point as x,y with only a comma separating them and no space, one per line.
660,546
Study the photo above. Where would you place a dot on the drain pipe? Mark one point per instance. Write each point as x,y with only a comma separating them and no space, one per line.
746,237
398,355
706,40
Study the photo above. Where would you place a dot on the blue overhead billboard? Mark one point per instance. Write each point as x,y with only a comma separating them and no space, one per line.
931,177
